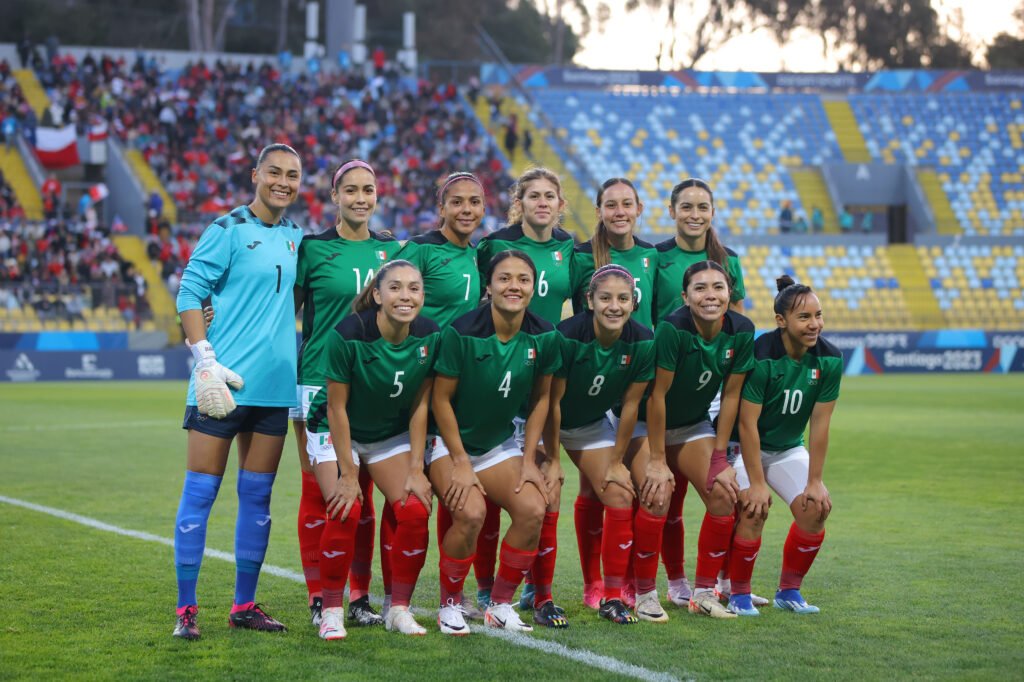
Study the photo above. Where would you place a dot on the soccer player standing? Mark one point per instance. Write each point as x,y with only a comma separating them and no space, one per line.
618,209
445,256
537,206
245,261
493,361
795,380
334,267
378,371
692,207
607,359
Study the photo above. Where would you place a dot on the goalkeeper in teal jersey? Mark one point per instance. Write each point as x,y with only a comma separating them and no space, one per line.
607,360
334,267
445,256
537,206
795,381
701,348
692,207
374,413
618,210
246,262
493,361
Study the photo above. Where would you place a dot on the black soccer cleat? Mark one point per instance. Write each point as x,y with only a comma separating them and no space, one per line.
316,610
550,615
187,627
255,618
361,614
617,612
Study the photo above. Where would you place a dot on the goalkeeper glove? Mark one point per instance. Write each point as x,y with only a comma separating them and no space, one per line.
212,379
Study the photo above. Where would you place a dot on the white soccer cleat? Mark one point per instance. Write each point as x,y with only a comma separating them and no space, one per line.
451,619
679,592
400,619
705,603
504,617
332,624
648,607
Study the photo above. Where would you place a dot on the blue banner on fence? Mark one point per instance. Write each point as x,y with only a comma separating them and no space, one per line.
100,365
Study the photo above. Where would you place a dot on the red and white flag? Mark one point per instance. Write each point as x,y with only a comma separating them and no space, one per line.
98,192
98,131
57,147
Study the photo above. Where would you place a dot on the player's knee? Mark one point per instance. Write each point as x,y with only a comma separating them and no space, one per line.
472,515
616,496
718,502
412,512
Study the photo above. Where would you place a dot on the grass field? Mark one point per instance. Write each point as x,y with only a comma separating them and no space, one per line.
917,578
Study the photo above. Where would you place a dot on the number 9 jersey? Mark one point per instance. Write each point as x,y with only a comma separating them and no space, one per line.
787,390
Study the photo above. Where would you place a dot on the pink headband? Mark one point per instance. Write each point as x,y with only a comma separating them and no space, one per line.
346,167
609,269
458,178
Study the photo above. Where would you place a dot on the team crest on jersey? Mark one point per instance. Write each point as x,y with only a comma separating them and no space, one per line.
647,263
531,356
625,360
729,352
813,376
422,353
557,256
382,256
291,246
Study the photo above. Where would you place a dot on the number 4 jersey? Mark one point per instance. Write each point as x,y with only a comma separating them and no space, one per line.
495,377
787,390
332,271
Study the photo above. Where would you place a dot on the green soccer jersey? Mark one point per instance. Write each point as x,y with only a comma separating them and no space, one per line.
331,273
553,260
641,261
597,377
672,264
451,277
383,377
495,377
700,366
787,390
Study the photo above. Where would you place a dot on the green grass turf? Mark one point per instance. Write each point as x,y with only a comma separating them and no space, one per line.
918,576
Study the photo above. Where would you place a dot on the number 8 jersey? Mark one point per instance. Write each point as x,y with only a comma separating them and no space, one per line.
495,378
332,271
787,390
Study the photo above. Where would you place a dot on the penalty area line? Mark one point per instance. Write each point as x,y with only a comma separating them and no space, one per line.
584,656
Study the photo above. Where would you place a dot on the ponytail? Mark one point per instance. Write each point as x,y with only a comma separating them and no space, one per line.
790,294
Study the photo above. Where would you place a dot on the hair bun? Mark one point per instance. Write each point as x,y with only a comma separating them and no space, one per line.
784,281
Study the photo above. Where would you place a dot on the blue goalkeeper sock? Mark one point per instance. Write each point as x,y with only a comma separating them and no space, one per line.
252,531
197,496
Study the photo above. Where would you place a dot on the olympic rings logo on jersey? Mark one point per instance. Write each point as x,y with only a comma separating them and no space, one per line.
531,356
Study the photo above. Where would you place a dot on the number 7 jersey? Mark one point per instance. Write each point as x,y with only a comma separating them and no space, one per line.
787,390
332,271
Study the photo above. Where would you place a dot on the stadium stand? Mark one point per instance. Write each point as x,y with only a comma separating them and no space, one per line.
972,141
977,286
741,143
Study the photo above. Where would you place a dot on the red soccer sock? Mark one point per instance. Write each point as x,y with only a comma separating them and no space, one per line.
647,535
312,518
336,552
453,574
712,548
742,556
487,547
615,549
797,556
444,522
359,574
409,550
514,564
543,572
673,535
589,515
388,525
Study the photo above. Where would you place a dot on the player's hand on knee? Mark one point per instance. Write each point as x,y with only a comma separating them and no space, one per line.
817,498
213,382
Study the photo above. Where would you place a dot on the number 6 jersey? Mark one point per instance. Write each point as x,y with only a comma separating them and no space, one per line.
787,390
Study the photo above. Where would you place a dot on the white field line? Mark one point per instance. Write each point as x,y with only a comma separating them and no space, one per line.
80,427
590,658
